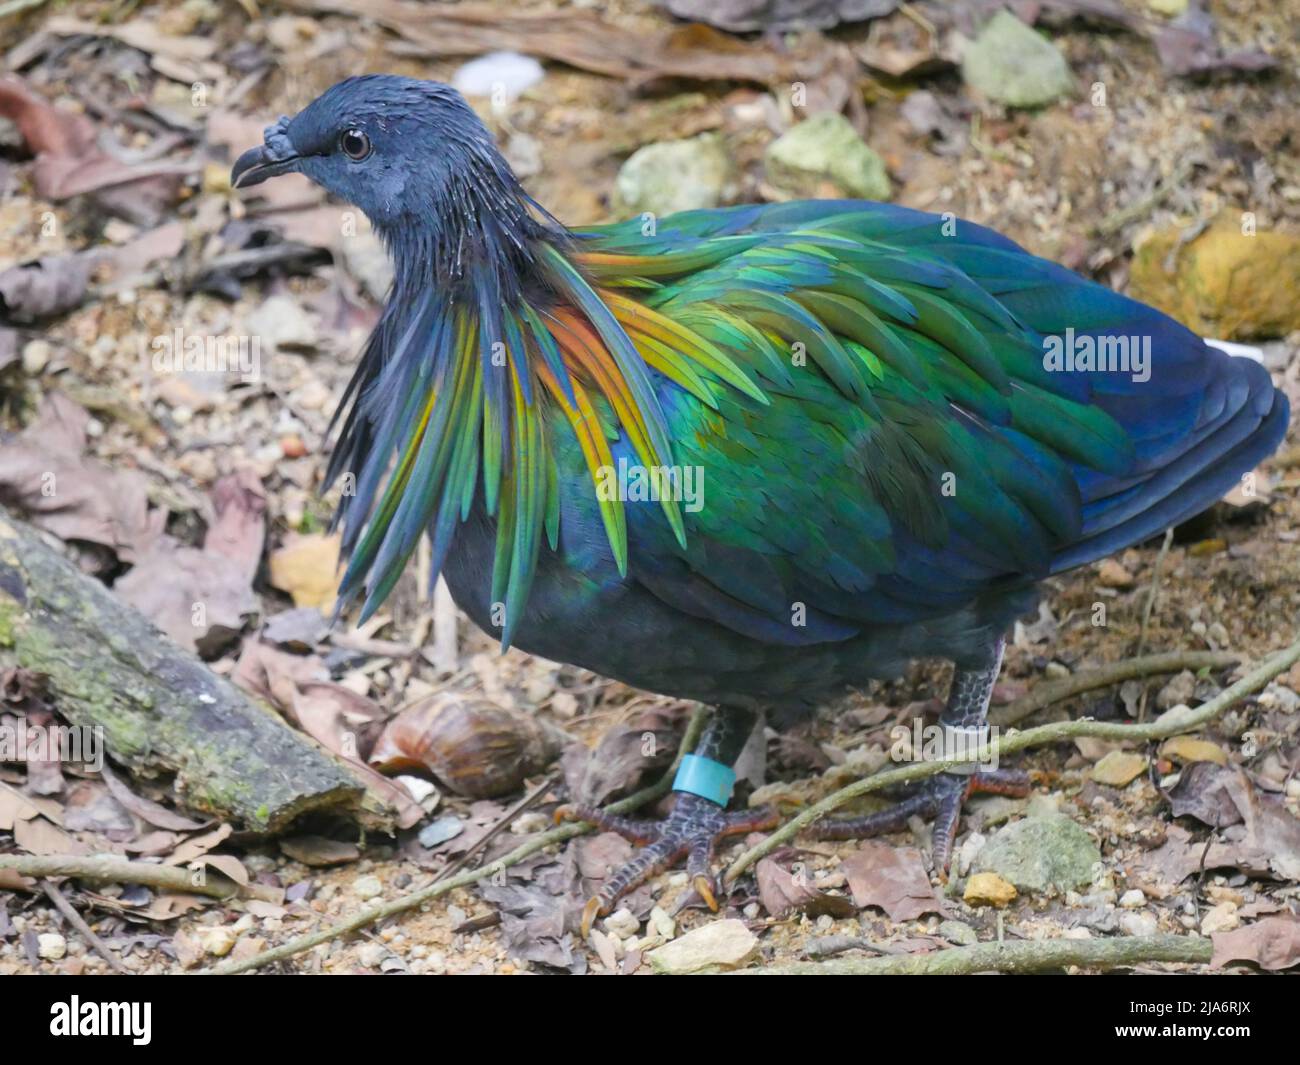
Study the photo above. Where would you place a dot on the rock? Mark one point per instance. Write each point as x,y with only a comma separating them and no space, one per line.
1172,8
670,176
1138,924
1224,283
372,955
449,826
969,851
1133,899
281,322
823,156
1191,749
218,941
663,924
51,946
1119,768
36,356
1221,918
622,923
1112,574
367,887
504,74
716,946
1040,853
988,889
959,932
1012,64
1179,690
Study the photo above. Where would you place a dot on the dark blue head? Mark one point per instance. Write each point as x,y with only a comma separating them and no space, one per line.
414,157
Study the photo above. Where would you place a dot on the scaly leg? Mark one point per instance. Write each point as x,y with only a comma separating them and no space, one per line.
698,821
941,796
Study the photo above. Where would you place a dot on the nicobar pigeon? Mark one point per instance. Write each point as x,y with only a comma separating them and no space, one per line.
752,456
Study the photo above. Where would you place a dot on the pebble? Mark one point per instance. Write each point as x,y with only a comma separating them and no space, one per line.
684,175
1012,64
1138,924
1112,574
1220,918
825,150
719,945
371,955
1119,768
51,946
1133,899
367,887
622,923
217,941
988,889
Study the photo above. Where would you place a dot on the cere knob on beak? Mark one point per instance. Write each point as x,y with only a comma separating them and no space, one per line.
275,155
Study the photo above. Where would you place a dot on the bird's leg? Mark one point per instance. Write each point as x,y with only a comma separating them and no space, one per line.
965,727
698,820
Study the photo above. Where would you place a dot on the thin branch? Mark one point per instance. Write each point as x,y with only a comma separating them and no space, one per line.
87,933
1009,956
438,888
1167,726
1054,691
120,871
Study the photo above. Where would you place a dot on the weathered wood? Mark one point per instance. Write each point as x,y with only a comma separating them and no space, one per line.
160,709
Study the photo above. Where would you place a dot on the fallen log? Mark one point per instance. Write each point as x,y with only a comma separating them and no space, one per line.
158,708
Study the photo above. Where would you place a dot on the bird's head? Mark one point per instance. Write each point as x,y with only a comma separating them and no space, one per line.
411,154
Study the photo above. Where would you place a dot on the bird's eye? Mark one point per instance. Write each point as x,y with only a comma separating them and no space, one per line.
355,144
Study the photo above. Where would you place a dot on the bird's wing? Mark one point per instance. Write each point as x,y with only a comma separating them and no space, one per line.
916,448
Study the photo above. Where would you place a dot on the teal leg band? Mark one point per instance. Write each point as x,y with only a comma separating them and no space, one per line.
706,778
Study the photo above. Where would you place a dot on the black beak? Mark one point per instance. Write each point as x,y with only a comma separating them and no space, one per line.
258,164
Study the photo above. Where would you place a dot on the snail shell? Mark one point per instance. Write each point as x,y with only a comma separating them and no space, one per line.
474,747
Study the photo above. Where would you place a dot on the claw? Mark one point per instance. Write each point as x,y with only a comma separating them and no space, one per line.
589,914
704,888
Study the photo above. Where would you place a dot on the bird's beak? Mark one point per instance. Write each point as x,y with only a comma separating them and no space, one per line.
258,164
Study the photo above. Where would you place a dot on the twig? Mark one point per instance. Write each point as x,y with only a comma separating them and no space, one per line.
506,818
120,871
1054,691
828,946
1169,725
1117,220
1147,609
1010,956
441,887
78,922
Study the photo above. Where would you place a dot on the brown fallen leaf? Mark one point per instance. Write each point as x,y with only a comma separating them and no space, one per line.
46,478
626,757
785,888
148,811
1272,943
893,878
582,39
70,162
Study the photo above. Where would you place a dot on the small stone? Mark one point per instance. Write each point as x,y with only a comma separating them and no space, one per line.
372,955
441,829
1040,853
1191,749
367,887
1056,671
824,155
1133,899
497,75
1112,574
671,176
51,946
1221,918
1119,768
217,941
719,945
1133,923
663,924
1171,8
959,932
36,356
1012,64
1179,690
969,851
988,889
622,923
281,322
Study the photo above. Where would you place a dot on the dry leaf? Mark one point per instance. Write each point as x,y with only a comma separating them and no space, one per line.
892,878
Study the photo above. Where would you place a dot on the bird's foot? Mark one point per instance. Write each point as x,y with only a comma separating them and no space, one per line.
941,797
692,830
